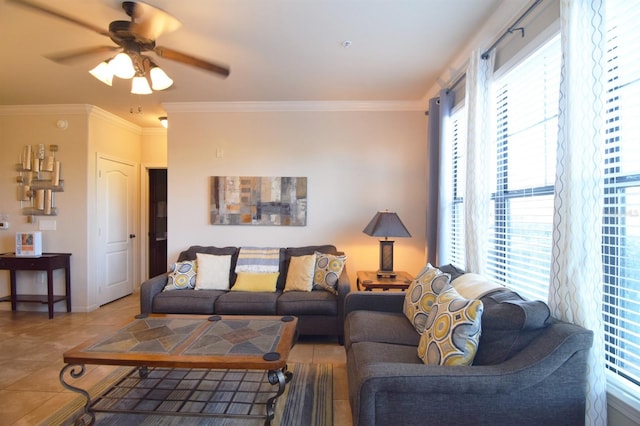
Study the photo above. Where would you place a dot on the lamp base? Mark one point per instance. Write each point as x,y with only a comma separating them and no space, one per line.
386,274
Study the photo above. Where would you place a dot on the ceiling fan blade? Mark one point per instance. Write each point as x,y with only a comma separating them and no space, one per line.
150,22
62,16
70,56
174,55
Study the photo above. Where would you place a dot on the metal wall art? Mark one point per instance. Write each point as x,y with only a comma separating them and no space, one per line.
38,179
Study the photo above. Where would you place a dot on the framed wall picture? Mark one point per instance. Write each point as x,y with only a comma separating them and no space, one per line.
247,200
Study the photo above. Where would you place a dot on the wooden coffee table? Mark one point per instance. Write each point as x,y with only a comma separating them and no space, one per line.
192,341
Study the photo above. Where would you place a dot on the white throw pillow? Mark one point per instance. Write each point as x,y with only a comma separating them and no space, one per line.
213,272
300,273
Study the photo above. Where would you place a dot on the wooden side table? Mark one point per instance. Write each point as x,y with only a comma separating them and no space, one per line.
369,280
46,262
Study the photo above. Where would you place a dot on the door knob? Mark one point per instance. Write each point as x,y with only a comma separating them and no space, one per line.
132,235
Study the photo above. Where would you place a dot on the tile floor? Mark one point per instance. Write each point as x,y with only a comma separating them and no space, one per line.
31,351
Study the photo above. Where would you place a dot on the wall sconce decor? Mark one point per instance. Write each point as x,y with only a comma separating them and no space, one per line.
386,224
38,178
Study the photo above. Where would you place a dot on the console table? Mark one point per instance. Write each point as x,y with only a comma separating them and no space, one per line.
46,262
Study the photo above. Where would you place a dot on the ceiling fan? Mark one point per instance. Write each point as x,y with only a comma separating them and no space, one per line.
133,38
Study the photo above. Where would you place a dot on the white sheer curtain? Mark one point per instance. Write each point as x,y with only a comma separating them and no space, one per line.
575,292
480,140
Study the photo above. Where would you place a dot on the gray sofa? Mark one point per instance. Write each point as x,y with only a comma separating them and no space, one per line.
529,368
319,312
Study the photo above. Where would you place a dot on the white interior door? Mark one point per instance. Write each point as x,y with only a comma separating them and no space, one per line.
116,198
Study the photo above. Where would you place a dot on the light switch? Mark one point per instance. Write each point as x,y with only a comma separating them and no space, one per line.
47,224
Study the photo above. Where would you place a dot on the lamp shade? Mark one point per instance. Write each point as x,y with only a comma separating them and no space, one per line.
386,224
159,79
103,73
122,66
140,86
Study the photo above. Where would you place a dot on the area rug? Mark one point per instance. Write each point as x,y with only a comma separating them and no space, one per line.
235,394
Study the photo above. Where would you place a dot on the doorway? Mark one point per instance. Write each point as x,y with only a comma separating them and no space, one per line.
157,221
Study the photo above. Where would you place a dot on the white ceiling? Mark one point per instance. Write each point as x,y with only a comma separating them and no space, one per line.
277,50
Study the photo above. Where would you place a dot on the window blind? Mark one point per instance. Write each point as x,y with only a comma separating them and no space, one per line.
523,173
457,141
621,227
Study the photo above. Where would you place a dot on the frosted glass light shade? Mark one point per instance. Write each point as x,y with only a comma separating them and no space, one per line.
103,73
159,79
122,66
140,86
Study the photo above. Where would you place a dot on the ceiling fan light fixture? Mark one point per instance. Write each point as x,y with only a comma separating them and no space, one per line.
159,79
140,86
103,73
122,66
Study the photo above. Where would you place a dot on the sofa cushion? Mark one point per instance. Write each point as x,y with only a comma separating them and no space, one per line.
452,331
300,273
191,254
290,252
453,271
365,354
422,293
182,276
261,282
509,323
213,271
247,303
384,327
307,303
186,302
327,271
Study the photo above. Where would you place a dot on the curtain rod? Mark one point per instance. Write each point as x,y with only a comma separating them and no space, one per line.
511,29
457,81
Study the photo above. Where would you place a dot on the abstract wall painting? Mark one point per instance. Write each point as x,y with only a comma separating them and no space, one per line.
249,200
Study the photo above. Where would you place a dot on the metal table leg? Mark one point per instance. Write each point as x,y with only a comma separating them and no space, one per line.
76,371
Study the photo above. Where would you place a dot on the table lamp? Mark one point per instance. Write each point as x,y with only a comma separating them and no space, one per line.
386,224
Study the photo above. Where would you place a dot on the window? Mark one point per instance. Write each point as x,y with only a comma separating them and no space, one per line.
621,227
520,240
455,183
524,172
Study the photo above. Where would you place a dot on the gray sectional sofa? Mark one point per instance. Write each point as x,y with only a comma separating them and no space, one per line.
319,312
529,368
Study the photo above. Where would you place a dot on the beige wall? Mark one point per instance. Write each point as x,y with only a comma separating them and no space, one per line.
356,162
153,147
89,131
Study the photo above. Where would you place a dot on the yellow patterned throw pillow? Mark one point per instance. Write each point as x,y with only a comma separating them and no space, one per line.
422,293
182,276
327,271
452,331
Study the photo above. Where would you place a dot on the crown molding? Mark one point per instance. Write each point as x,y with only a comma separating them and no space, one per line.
75,109
154,131
113,119
44,109
294,106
